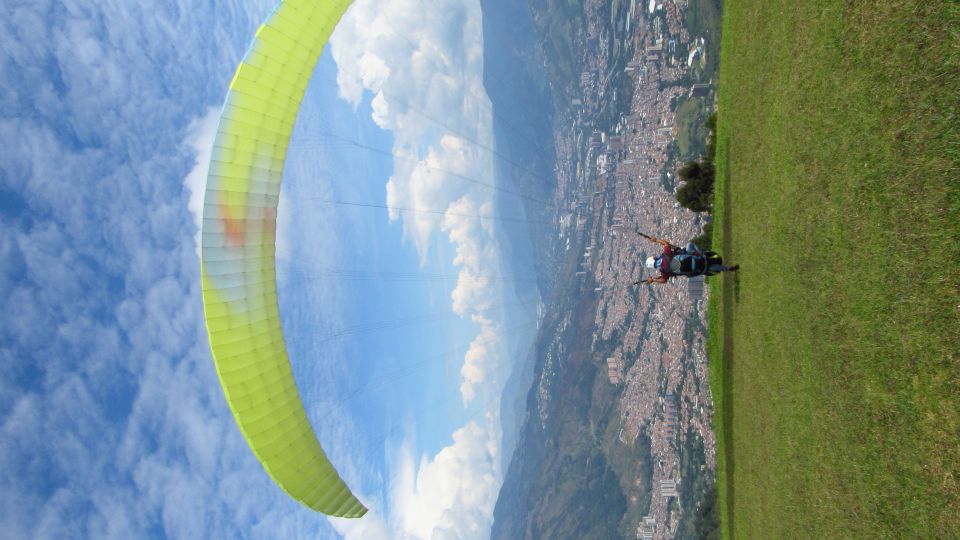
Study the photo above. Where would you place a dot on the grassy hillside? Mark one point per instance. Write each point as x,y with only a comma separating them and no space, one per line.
834,351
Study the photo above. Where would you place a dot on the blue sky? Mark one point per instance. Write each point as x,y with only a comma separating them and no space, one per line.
112,421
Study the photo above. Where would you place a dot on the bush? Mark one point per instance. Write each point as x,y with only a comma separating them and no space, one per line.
705,240
711,148
711,123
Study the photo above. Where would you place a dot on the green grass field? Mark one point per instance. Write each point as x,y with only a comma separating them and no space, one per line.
834,351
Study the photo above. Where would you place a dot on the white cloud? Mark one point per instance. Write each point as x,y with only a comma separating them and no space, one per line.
481,357
452,495
370,527
200,135
424,63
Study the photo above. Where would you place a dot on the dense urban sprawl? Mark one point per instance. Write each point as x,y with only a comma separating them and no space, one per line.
612,185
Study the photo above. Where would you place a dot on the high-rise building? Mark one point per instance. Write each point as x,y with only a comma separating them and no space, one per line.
647,527
668,488
695,286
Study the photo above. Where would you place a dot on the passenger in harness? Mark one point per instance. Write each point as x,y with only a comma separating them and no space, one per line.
688,261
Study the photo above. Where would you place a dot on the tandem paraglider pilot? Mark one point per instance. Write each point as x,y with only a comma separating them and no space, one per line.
689,261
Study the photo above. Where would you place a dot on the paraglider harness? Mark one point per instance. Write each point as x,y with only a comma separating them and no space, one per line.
686,263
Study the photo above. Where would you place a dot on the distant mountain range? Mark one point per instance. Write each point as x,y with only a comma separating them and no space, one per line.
523,113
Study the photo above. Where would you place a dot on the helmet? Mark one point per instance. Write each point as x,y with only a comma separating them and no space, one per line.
651,262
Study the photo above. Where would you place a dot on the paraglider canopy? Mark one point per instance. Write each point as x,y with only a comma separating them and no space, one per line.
238,244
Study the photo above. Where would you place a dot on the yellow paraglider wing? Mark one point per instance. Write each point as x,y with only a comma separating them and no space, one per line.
238,247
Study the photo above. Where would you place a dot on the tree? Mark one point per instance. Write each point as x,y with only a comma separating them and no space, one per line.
693,196
690,170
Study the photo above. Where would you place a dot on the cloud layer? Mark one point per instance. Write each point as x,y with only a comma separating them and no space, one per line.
112,424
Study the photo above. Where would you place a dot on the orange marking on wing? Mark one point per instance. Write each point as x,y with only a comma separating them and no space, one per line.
234,227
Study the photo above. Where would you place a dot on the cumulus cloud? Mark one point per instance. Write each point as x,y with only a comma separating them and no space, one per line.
200,135
481,357
423,61
474,254
452,495
447,497
370,527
